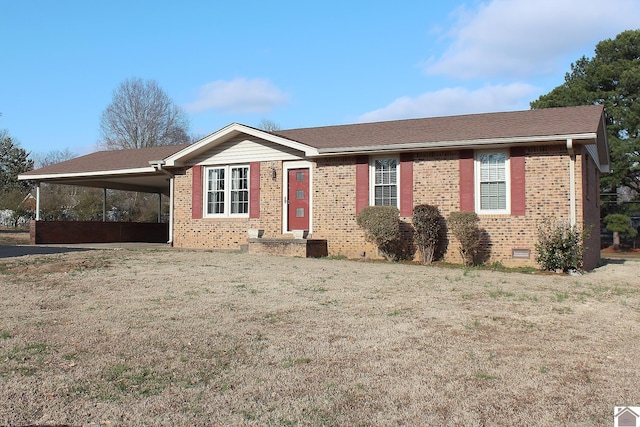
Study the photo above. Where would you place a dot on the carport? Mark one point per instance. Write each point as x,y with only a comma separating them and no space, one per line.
141,170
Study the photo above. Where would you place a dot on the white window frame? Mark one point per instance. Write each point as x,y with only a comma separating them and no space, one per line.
227,192
477,179
372,179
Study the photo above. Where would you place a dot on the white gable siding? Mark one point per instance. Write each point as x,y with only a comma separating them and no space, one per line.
245,149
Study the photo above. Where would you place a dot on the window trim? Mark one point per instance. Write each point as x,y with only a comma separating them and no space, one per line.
372,178
507,177
227,191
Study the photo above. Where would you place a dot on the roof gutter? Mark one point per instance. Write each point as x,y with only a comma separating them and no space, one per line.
473,143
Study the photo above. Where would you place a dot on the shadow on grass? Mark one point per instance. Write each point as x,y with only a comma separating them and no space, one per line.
615,261
8,251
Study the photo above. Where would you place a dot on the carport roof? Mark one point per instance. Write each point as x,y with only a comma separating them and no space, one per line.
117,169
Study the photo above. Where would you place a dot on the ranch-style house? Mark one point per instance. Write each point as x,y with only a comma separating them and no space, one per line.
514,169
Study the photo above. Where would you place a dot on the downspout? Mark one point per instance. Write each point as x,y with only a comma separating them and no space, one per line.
158,166
572,182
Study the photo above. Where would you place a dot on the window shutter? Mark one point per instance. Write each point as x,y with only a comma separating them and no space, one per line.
196,192
254,190
517,181
406,184
362,183
467,183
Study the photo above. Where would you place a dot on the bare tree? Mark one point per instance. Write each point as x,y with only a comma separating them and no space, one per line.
142,115
268,125
52,157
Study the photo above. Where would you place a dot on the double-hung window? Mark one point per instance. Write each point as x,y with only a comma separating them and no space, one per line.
492,182
227,191
384,182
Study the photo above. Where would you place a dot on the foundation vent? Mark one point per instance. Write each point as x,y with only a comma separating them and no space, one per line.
520,253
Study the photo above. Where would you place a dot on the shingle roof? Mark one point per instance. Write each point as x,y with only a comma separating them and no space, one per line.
110,160
472,127
530,123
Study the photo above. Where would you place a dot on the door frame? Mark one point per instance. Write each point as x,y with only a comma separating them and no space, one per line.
298,164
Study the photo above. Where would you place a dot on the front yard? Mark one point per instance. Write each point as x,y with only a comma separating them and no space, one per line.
183,338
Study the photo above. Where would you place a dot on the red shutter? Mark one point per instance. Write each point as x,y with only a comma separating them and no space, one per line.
254,190
196,192
517,181
362,183
406,185
467,183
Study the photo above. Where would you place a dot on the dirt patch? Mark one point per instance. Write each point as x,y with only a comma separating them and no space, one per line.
187,338
62,265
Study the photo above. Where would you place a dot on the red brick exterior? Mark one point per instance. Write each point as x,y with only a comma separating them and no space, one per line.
590,207
225,233
340,188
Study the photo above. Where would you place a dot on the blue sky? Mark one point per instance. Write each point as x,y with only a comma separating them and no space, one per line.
298,64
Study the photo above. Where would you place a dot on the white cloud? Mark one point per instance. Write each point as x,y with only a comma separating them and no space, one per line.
238,96
459,100
522,37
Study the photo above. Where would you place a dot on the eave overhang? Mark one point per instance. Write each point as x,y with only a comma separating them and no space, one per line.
181,158
585,138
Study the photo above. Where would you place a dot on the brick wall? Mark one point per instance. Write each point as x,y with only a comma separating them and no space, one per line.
55,232
436,181
334,207
226,233
591,209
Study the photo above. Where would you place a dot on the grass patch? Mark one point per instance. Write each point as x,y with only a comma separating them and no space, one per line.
499,293
136,381
336,257
289,363
485,376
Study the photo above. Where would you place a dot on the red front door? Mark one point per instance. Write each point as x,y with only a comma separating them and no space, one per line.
298,199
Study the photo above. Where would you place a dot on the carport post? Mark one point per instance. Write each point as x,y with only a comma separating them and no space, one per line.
38,201
104,205
159,207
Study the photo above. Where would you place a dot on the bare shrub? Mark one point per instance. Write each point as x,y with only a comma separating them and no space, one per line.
464,226
426,222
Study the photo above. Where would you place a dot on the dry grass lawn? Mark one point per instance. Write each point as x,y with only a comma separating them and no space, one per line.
182,338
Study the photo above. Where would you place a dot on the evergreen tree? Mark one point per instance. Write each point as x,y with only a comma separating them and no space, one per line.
611,78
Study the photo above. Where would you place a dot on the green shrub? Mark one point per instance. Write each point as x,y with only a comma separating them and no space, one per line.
464,226
426,222
560,245
381,225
